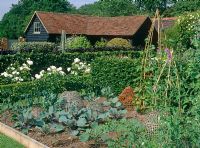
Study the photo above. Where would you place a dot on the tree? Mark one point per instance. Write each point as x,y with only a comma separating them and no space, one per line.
110,8
15,21
181,7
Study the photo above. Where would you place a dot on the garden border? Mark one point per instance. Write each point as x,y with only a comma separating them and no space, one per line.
19,137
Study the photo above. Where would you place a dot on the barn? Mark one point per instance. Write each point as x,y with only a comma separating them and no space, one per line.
47,26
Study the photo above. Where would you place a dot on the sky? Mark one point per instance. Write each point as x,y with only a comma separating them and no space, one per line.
5,5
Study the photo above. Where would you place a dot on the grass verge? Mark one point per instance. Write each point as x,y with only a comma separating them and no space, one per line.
6,142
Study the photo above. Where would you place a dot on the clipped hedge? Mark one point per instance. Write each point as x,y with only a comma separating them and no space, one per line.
26,90
35,46
43,60
75,42
119,42
116,73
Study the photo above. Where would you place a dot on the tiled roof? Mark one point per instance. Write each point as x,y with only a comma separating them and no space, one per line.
54,23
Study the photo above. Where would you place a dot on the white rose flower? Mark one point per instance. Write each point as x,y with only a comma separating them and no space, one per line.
62,73
42,72
16,78
53,67
5,74
21,79
48,69
21,68
87,70
14,72
37,76
9,75
24,65
69,69
27,68
29,62
12,68
76,60
59,69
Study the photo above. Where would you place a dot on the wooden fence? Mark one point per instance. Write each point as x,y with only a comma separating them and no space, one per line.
3,44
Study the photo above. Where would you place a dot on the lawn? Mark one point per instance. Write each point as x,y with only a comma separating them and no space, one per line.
6,142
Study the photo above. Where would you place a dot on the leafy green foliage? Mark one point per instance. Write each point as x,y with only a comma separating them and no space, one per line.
117,73
109,8
79,68
43,60
119,42
101,43
182,7
126,133
18,91
56,117
185,30
14,22
33,46
77,42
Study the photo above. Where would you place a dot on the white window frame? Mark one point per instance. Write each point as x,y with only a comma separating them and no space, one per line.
36,28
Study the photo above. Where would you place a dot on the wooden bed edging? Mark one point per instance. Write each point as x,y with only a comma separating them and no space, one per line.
19,137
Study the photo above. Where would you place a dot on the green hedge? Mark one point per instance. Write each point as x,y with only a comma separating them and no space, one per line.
43,60
116,73
36,46
25,90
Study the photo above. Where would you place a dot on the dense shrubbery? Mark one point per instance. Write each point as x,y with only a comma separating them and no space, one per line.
185,30
53,83
17,91
35,46
116,72
119,42
100,44
42,60
77,42
182,7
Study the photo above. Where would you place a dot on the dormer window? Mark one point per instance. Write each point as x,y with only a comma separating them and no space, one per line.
36,28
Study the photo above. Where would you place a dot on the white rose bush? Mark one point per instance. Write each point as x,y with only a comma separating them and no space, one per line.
16,73
52,70
79,68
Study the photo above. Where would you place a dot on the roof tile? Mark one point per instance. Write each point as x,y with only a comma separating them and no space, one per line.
90,25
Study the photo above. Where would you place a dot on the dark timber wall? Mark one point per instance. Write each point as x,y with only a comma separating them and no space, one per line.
31,37
142,33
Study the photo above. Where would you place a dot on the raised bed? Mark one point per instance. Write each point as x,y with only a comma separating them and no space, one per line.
19,137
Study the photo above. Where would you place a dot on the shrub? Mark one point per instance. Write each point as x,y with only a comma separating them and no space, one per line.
128,133
43,60
183,6
35,46
187,26
116,73
52,83
79,68
77,42
119,42
101,43
17,73
18,91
